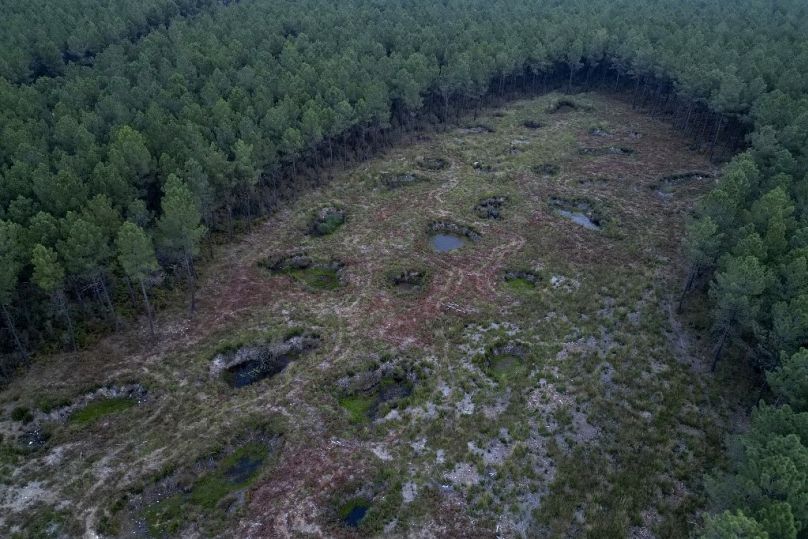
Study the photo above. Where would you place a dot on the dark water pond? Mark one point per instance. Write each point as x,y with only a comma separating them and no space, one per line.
443,243
244,469
355,515
256,370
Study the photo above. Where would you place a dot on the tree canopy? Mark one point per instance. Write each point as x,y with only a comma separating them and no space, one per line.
168,118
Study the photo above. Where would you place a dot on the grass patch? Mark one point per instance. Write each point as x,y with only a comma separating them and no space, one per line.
234,472
358,406
365,405
520,284
546,169
506,362
319,277
521,281
100,408
327,221
301,267
47,403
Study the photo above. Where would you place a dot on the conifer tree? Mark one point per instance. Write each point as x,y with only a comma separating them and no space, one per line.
136,257
180,229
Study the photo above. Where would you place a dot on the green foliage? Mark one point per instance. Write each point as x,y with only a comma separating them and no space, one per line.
112,122
101,113
702,242
732,525
47,403
737,294
85,250
129,156
318,277
11,258
48,272
520,284
358,406
100,408
769,464
135,252
180,225
329,225
232,473
790,381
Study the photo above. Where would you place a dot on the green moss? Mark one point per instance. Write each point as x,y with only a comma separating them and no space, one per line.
331,223
505,367
358,406
165,517
234,472
47,404
520,285
101,408
322,278
48,522
363,406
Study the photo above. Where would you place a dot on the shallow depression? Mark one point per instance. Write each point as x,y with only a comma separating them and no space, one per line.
355,513
443,243
579,218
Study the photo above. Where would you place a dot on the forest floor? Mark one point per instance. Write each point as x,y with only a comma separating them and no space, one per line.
536,381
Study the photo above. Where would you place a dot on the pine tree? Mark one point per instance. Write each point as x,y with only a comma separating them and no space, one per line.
736,292
790,380
10,266
180,229
86,251
136,257
49,275
732,525
701,246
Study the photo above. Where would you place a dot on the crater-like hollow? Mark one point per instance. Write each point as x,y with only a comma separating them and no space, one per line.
490,208
401,179
606,150
250,363
445,236
409,279
579,211
322,274
327,221
433,163
372,393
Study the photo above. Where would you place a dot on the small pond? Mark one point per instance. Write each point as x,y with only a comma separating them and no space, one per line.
256,370
353,512
355,516
579,218
443,243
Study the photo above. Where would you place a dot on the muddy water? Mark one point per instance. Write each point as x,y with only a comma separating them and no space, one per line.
443,243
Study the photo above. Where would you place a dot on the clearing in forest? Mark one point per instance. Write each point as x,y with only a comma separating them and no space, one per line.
488,349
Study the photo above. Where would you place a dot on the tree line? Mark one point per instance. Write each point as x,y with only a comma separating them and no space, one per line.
40,38
114,168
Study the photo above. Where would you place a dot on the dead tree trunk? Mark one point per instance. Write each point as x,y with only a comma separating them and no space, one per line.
148,309
191,283
718,349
